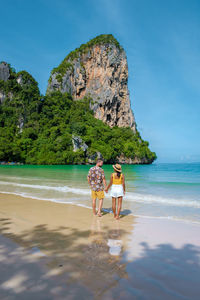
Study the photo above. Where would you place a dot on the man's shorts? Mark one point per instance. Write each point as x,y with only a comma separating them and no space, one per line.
99,194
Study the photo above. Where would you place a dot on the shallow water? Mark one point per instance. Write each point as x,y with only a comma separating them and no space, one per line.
158,190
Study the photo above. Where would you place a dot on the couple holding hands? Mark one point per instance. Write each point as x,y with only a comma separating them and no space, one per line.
97,182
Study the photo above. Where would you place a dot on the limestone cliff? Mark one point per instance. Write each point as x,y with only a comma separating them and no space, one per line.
20,88
4,75
4,71
59,129
12,83
99,70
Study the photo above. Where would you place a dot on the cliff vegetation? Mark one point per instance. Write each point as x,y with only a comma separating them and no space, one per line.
86,116
49,123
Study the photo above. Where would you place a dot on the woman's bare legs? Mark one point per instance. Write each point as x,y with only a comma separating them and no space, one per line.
114,206
119,207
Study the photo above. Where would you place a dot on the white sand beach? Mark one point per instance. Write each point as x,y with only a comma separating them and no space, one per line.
61,251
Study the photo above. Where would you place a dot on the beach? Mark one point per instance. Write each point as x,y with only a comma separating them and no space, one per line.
61,251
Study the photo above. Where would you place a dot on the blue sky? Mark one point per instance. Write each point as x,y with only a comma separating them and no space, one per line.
162,43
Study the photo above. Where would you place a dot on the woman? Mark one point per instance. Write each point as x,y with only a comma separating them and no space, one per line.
117,181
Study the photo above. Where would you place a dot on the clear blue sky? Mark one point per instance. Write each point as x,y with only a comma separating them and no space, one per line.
162,42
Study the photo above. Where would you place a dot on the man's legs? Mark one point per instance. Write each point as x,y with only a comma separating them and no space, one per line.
94,196
100,207
94,206
114,206
100,196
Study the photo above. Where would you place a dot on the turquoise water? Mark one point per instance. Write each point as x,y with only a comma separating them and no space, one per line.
158,190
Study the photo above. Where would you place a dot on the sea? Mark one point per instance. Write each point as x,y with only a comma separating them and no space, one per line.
159,190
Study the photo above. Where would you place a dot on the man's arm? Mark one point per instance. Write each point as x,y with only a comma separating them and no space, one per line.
88,177
110,183
104,180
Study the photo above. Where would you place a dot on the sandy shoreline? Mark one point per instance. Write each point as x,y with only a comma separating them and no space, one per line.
57,251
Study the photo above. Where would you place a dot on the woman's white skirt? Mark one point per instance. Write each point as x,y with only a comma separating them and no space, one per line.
117,190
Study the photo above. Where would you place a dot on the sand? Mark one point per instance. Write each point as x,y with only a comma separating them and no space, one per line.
61,251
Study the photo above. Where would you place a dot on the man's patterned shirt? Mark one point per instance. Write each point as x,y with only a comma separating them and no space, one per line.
96,176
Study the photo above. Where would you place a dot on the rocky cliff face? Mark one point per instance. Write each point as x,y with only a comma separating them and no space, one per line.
4,75
4,71
11,82
18,87
99,70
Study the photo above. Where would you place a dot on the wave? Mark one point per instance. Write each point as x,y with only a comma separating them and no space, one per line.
173,218
149,199
131,197
174,183
30,179
47,187
61,201
125,212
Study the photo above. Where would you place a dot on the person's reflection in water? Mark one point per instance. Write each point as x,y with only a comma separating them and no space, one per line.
95,226
114,240
96,264
110,238
96,234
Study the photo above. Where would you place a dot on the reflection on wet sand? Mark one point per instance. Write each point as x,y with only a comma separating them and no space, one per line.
69,254
94,264
113,236
84,251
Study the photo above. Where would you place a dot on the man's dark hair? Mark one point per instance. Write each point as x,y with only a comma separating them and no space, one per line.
99,159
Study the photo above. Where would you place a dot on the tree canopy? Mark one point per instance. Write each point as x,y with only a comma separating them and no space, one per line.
37,129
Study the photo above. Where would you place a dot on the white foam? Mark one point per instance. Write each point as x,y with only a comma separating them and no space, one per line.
173,218
104,209
47,187
24,195
132,197
30,179
149,199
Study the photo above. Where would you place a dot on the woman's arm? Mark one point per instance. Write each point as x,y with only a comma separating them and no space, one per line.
110,183
123,183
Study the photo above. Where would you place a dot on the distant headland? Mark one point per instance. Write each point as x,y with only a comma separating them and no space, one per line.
85,114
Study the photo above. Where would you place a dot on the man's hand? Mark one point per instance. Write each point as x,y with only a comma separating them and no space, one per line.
88,178
104,183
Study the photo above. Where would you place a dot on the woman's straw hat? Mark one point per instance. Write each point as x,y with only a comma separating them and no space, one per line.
117,168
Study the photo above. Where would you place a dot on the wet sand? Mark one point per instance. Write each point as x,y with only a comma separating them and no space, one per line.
61,251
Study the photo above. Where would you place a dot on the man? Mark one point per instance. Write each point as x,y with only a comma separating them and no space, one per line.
97,182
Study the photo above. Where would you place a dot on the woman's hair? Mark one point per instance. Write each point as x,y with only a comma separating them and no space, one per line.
118,174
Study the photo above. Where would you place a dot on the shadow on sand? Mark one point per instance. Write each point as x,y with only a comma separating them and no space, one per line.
78,265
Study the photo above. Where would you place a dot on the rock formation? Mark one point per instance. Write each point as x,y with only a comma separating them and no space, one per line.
96,71
4,71
99,70
9,80
4,75
78,143
17,86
